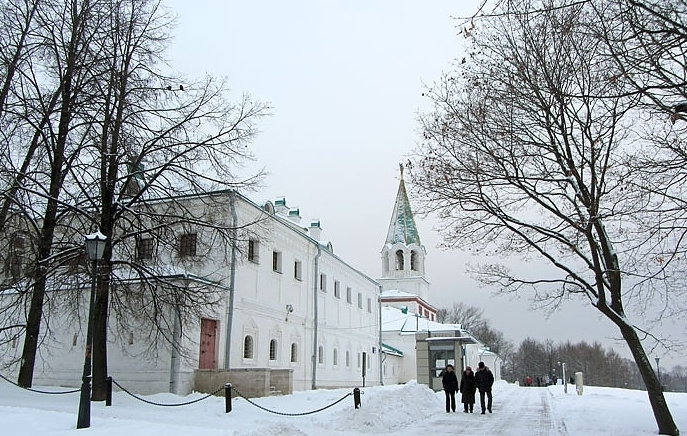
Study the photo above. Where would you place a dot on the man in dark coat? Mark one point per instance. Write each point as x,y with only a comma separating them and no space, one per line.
485,380
468,386
450,383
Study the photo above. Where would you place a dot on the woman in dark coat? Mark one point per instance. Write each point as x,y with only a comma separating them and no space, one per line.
468,386
450,383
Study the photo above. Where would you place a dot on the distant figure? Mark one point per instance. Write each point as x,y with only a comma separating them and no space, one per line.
485,380
554,380
468,386
528,381
450,383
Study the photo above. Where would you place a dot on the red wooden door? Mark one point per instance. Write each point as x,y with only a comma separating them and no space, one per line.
208,339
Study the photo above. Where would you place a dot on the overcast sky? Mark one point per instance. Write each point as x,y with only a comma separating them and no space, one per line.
345,79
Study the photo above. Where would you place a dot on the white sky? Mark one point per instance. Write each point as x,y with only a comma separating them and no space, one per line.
345,79
402,410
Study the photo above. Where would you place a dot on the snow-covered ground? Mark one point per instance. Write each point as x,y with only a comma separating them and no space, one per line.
409,409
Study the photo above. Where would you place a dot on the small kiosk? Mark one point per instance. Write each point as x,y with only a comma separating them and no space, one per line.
435,350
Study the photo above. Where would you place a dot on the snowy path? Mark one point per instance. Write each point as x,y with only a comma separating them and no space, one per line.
516,411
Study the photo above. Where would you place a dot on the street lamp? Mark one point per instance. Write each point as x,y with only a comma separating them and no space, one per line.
95,246
658,371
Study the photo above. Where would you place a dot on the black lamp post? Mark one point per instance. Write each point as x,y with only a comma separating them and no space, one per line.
95,246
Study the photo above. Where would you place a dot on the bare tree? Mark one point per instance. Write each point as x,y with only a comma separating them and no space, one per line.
469,317
525,155
114,140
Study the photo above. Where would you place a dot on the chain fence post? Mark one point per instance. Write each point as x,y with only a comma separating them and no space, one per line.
356,398
108,391
227,398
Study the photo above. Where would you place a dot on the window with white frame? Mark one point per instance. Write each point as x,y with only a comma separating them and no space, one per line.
320,355
273,349
253,250
335,357
337,289
323,282
294,352
348,358
298,270
369,305
276,261
360,300
349,295
248,347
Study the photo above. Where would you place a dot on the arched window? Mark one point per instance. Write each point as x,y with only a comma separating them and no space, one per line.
399,260
320,354
413,260
348,358
273,349
335,359
294,352
248,347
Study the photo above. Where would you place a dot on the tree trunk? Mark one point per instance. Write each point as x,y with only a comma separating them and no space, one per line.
33,327
664,419
100,323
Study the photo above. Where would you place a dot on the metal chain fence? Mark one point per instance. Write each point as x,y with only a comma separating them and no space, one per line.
154,403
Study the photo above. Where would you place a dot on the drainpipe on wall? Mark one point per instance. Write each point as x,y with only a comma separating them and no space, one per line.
232,280
175,359
381,361
315,320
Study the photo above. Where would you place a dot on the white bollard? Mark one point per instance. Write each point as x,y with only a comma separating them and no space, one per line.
579,382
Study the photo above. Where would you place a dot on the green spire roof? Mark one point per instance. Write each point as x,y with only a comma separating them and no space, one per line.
402,227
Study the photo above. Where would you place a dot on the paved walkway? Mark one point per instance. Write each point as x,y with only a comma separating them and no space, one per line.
524,411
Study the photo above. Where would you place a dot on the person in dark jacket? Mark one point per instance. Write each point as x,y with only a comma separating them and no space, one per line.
468,386
450,383
485,380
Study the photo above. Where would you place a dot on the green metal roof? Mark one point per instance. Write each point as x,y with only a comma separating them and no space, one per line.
402,227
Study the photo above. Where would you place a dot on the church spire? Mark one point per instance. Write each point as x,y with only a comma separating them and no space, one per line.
402,227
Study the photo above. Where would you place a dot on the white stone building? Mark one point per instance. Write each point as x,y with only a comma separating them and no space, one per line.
291,315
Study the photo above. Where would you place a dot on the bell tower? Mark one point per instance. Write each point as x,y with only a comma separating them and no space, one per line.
403,255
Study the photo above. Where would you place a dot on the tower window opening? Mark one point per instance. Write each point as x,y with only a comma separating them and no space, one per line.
399,260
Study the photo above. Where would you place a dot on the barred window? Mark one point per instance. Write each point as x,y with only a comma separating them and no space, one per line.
187,244
144,248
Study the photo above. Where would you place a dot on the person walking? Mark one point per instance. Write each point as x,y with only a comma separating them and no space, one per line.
485,380
450,383
468,386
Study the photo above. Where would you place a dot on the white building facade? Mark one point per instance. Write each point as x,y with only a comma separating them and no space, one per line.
288,310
